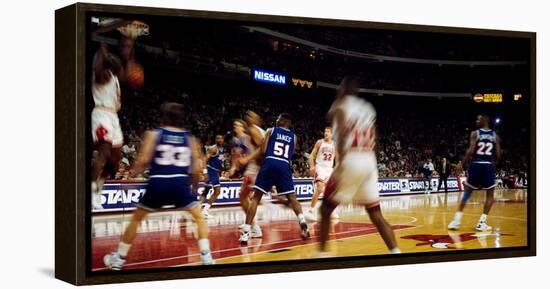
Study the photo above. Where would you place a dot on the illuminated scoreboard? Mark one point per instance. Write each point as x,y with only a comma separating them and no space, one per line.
487,97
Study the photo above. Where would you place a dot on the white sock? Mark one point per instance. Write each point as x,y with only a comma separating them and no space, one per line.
123,249
458,216
246,228
395,251
483,218
301,218
204,245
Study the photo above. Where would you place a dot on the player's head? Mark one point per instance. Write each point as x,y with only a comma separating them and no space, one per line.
284,120
349,86
219,139
482,121
172,114
328,133
239,127
252,118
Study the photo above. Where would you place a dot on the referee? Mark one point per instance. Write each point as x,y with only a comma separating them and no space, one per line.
444,170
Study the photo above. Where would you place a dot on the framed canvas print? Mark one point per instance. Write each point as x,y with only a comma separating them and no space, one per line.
199,144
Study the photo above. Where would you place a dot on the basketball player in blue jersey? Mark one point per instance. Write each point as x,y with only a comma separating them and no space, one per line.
276,150
170,153
484,152
214,164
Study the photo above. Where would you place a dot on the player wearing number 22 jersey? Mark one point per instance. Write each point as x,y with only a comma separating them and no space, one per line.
483,152
276,150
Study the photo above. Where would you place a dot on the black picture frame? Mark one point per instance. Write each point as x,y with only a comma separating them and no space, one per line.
72,217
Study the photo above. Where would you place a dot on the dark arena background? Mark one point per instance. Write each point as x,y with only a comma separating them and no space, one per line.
427,88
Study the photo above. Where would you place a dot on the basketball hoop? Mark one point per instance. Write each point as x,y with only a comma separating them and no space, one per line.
134,29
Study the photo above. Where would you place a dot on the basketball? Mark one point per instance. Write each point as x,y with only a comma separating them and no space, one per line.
135,76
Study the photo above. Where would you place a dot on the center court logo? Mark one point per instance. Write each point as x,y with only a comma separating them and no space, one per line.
450,241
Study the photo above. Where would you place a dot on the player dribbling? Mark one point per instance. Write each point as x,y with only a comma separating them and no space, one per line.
245,146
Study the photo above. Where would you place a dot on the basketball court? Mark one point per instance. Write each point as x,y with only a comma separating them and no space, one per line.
168,238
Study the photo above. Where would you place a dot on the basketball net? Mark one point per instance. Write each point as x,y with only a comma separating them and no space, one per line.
134,29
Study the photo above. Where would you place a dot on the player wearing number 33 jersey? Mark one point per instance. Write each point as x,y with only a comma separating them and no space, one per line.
169,182
171,154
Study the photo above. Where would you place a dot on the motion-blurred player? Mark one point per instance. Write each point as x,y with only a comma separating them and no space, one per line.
484,152
321,164
170,152
245,146
256,137
214,166
106,131
276,151
355,178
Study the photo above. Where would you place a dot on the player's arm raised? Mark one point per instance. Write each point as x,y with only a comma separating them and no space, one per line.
256,136
471,149
145,154
313,157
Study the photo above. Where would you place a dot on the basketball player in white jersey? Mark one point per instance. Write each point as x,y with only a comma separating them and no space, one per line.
355,178
321,164
254,138
244,147
106,131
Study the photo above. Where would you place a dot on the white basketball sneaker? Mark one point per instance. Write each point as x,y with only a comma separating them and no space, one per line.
454,225
245,235
206,258
310,215
114,261
96,197
256,231
482,226
96,202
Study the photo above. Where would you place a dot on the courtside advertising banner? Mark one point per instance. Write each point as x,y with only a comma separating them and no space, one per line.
119,196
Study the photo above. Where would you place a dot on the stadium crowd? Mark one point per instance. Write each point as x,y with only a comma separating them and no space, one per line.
404,142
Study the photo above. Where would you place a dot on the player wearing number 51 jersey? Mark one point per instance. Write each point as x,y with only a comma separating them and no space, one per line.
483,152
276,150
172,155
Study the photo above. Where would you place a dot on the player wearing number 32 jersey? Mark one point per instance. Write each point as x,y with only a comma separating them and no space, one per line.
171,154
